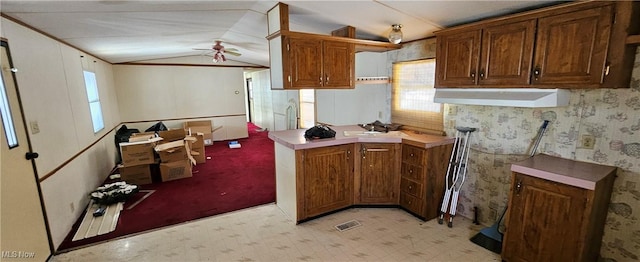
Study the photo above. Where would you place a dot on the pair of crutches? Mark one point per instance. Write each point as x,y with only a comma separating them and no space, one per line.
456,173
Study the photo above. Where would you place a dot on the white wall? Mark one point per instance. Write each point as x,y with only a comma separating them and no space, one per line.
364,104
154,93
52,90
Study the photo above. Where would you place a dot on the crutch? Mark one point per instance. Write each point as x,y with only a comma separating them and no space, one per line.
455,179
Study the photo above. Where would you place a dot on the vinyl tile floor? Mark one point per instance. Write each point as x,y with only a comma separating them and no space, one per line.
265,233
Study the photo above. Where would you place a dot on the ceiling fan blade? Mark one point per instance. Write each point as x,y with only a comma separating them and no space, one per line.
232,53
203,49
230,49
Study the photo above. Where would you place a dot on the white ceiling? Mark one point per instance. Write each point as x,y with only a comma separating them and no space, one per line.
121,31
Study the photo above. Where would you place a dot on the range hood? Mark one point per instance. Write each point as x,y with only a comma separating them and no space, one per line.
516,97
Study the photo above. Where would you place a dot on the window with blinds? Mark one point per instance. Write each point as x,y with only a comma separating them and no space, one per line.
412,97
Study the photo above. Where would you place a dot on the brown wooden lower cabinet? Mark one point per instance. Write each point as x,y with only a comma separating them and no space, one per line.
552,221
378,177
335,177
422,179
325,182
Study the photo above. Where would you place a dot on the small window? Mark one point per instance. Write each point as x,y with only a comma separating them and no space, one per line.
7,120
94,101
412,97
5,109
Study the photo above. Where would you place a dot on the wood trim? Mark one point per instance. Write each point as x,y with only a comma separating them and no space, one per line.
633,40
361,45
65,163
195,65
537,12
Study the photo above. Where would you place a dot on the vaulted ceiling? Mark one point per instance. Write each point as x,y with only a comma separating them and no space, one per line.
121,31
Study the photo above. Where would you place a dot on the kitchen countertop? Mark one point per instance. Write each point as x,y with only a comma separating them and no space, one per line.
561,170
348,134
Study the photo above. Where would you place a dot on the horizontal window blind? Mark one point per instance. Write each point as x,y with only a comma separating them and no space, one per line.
412,97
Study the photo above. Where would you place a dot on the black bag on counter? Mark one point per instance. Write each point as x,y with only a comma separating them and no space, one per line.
319,131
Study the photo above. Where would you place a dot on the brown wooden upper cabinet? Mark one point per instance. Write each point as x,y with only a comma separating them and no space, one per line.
318,63
576,45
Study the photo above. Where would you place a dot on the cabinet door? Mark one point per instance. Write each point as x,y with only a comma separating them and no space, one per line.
328,179
457,55
305,57
507,51
571,48
378,173
544,222
338,64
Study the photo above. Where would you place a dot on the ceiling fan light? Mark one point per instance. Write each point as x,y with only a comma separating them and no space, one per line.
395,36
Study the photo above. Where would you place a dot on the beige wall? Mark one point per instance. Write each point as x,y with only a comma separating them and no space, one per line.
51,86
505,134
158,93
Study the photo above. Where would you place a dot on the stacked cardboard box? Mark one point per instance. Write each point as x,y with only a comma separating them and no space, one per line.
202,126
196,144
175,157
137,158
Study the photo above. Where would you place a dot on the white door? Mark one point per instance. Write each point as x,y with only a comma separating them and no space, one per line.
23,229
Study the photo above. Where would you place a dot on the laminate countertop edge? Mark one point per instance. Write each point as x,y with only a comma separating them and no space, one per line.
294,139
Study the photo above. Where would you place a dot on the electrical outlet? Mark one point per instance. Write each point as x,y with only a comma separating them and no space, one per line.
588,141
452,110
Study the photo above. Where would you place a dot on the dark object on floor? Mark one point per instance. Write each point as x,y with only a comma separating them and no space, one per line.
157,127
490,238
319,131
100,211
475,216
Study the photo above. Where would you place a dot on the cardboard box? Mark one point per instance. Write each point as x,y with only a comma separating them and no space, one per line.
175,170
173,151
204,127
138,153
137,137
172,135
136,175
196,144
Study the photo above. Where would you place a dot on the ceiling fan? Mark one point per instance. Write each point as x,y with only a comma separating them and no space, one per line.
219,51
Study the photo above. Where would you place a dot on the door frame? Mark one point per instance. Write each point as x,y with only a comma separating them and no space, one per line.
5,43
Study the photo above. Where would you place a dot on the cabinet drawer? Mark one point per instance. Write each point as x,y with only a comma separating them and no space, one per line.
411,187
411,202
413,155
412,171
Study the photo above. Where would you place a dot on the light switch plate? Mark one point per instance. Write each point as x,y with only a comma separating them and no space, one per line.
34,127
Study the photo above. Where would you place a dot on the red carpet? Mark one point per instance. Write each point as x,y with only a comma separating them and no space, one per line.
232,179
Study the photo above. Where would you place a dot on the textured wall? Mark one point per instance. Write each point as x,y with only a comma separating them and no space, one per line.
505,135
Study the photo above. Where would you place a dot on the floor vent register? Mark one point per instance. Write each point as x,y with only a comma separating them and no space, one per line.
348,225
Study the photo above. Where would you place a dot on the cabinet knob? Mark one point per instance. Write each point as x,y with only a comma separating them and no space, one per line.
411,154
536,73
473,76
409,187
482,73
519,187
410,171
